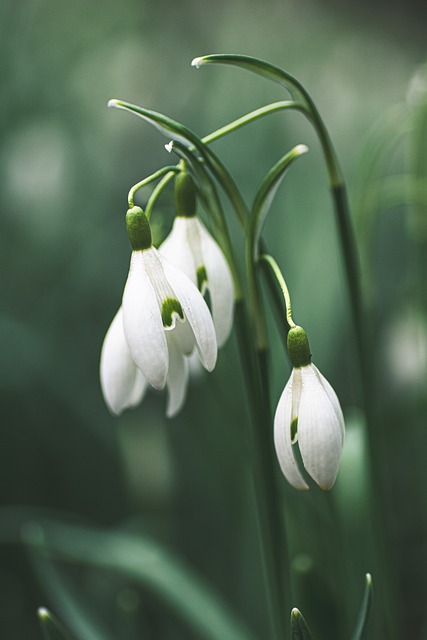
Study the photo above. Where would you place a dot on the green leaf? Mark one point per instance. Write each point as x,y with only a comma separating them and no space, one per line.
253,116
299,628
266,192
255,65
365,610
143,561
178,132
52,628
167,126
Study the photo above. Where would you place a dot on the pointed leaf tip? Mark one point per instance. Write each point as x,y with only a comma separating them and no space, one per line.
113,103
300,149
197,62
299,628
361,628
52,628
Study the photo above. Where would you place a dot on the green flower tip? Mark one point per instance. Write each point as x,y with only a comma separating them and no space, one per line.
185,195
298,347
202,278
138,229
170,308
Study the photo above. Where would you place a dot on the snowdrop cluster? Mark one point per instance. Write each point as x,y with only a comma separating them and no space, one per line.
163,316
309,413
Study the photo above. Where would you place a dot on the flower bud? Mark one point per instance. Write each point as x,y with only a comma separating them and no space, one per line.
298,347
185,195
138,229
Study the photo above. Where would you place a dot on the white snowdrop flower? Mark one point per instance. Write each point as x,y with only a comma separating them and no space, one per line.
309,413
162,318
192,249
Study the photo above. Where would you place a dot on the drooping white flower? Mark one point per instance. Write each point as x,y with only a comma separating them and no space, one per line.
162,318
309,413
192,249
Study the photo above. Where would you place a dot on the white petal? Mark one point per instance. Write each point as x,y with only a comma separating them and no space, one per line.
183,336
142,319
282,438
177,249
177,376
120,379
220,284
334,401
196,311
320,428
138,390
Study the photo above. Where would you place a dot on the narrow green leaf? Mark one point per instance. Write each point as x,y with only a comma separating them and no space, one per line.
365,610
255,65
52,628
266,192
299,628
143,561
253,116
167,126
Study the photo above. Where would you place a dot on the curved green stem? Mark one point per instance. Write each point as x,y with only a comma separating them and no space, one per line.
155,176
159,188
270,261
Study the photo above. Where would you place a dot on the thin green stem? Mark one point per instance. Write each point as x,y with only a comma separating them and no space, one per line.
270,261
158,189
155,176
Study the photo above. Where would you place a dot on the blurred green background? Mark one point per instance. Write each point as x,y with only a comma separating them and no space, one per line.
67,163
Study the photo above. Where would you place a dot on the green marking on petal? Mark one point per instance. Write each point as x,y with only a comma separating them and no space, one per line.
294,430
169,307
202,277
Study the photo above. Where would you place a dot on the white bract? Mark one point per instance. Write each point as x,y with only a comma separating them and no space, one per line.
309,413
190,247
162,318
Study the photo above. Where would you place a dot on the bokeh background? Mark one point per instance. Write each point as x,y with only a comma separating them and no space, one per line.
67,163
